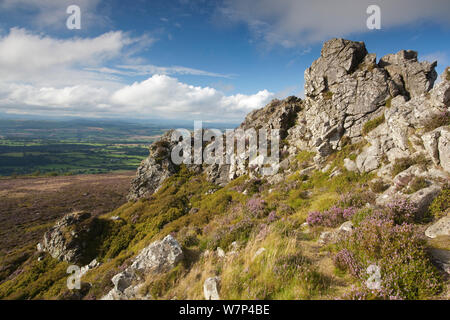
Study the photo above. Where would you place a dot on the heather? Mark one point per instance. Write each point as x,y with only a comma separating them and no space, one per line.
330,218
388,239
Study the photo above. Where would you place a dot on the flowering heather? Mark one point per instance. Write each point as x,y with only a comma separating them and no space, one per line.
330,218
345,260
356,199
401,210
272,217
256,206
398,249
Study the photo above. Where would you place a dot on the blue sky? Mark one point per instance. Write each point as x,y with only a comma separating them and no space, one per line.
210,60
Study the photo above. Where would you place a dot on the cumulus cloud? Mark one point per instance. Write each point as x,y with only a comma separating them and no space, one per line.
301,22
159,96
41,74
169,97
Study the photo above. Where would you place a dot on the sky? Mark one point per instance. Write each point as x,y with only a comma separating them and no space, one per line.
211,60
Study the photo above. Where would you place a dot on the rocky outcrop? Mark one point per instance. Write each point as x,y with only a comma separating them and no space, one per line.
278,114
153,170
412,77
64,241
158,257
345,89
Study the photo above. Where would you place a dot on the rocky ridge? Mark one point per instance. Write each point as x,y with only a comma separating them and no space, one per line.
345,90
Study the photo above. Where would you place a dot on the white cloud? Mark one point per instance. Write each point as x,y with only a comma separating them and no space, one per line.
293,22
159,96
35,58
166,96
41,74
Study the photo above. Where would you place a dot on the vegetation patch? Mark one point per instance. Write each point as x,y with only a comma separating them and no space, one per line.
441,204
372,124
437,120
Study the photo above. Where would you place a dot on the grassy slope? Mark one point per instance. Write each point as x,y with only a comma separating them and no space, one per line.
292,267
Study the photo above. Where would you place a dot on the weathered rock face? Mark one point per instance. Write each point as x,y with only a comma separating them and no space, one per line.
63,240
440,228
158,257
154,169
417,77
278,114
345,88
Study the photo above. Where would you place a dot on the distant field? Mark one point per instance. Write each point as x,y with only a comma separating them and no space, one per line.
31,147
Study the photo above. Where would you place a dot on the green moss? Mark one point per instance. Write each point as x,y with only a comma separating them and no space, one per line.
328,95
441,204
389,102
372,124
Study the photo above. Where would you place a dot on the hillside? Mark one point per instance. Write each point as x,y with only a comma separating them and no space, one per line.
359,208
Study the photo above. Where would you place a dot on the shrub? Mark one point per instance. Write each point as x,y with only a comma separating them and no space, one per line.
440,205
389,102
378,186
345,261
399,250
356,199
330,218
360,215
400,211
328,95
256,206
372,124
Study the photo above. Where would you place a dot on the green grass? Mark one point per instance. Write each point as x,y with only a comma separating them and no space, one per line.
372,124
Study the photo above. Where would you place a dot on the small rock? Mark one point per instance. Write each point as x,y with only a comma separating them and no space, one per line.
374,281
346,226
210,288
326,237
122,281
335,173
220,252
423,198
350,165
259,252
93,264
441,258
440,228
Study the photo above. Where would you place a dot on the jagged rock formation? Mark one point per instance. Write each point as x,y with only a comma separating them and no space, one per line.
158,257
154,169
345,88
63,240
